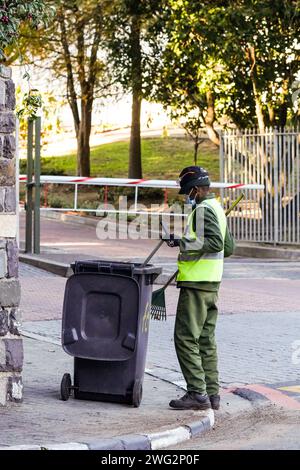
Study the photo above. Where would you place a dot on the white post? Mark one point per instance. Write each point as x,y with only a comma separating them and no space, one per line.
136,198
75,197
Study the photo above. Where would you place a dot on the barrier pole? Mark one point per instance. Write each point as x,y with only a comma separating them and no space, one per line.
29,184
75,196
276,177
37,180
221,160
136,195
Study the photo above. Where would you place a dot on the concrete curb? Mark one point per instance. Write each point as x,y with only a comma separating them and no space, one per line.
266,252
250,395
152,441
70,218
54,267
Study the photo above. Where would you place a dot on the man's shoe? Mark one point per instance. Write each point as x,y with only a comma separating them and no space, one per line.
191,401
215,401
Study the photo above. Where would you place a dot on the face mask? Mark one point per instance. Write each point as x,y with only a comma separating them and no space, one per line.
191,200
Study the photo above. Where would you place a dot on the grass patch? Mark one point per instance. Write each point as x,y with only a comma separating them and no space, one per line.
163,158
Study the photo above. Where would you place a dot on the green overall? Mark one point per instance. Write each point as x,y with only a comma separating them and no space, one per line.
200,265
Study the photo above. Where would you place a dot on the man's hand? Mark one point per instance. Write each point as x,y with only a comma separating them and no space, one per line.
172,241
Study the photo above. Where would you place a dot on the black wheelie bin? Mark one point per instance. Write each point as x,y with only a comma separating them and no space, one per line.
105,327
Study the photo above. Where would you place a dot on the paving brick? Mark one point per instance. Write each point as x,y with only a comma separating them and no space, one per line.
3,387
8,225
8,146
7,171
15,388
2,199
14,321
11,358
10,101
4,314
7,122
3,263
10,293
10,199
12,258
2,94
5,72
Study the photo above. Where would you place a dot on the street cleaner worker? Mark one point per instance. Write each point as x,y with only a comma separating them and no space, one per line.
205,243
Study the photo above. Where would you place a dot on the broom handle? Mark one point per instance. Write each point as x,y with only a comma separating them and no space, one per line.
233,205
153,253
170,280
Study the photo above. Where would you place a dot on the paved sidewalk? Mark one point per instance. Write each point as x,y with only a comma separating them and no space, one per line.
44,419
257,329
256,332
247,287
247,354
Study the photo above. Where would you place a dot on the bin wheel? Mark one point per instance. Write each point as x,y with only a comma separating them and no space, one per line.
65,387
137,393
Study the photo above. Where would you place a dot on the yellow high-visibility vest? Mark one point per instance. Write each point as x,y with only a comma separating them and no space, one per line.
194,267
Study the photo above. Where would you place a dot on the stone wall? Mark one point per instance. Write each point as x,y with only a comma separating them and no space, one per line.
11,348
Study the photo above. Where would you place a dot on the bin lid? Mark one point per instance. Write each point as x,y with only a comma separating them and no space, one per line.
117,267
100,316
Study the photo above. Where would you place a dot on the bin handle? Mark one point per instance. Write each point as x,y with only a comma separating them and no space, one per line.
105,267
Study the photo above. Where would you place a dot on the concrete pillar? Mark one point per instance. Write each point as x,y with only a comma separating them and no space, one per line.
11,347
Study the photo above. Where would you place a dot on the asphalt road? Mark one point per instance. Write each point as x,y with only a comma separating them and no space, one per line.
267,428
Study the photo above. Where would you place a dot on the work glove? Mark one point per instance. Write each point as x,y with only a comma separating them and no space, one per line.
172,241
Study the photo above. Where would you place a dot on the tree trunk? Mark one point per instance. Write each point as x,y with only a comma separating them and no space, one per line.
258,109
135,154
210,119
83,140
283,110
196,147
271,115
257,99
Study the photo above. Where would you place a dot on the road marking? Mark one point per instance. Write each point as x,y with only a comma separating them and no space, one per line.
293,388
275,396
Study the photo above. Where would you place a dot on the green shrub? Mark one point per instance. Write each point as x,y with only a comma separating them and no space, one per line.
57,201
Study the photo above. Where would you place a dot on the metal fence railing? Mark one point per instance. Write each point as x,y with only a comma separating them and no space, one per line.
272,159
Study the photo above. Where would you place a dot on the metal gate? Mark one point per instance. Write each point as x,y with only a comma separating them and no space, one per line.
272,158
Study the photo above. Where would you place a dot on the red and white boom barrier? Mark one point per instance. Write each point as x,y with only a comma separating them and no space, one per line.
142,183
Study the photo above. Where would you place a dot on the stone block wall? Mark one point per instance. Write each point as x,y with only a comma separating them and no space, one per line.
11,347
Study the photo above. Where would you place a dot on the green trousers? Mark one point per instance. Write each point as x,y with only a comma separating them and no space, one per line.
195,339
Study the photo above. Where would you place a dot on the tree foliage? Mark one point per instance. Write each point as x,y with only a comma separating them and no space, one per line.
72,48
135,44
232,61
14,14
